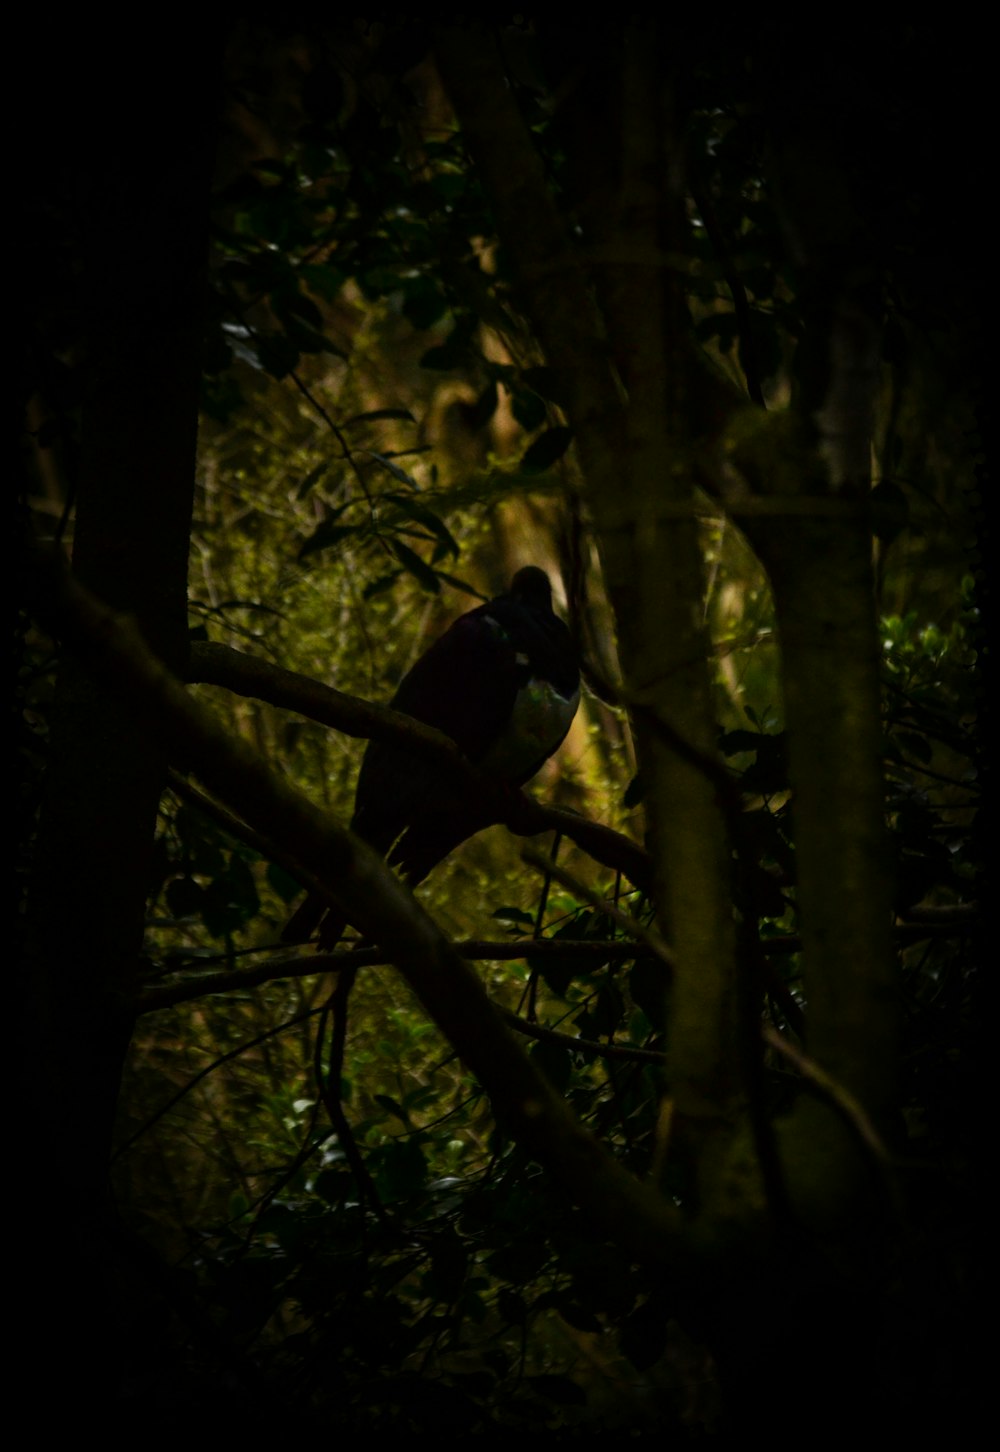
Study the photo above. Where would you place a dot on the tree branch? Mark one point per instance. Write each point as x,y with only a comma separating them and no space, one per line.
247,675
307,965
382,908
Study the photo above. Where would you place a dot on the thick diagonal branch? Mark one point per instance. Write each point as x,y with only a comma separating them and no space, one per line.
383,909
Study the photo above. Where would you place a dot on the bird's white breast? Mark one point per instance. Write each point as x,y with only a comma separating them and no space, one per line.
539,721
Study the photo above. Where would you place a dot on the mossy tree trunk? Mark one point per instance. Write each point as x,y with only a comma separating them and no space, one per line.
607,309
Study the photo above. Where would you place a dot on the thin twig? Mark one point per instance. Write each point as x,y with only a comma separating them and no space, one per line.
741,304
346,452
203,1074
543,899
307,965
591,1047
649,937
328,1085
850,1109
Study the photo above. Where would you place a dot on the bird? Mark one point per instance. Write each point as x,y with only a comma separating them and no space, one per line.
504,683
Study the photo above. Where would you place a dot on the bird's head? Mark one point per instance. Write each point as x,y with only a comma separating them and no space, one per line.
531,586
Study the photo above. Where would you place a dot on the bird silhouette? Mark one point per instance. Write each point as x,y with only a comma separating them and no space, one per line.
504,683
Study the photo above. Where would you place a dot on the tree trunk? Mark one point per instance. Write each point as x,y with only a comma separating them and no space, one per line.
629,376
143,167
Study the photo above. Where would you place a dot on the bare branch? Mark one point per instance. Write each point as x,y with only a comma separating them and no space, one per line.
299,965
589,1047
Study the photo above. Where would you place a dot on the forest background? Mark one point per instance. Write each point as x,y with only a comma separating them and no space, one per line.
670,1118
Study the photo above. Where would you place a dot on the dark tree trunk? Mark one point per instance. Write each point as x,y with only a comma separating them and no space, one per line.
141,141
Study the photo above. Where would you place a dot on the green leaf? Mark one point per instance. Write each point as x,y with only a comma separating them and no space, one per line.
916,746
253,605
278,356
731,743
313,477
394,1108
334,1185
548,383
381,585
184,897
603,1014
558,973
528,409
555,1062
406,453
400,1168
230,900
419,512
294,305
546,450
443,358
424,304
378,413
310,340
485,406
385,462
769,773
326,534
463,585
282,882
323,280
513,916
241,885
635,791
721,326
412,563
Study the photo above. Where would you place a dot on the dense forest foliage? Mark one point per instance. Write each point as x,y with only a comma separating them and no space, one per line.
653,1109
